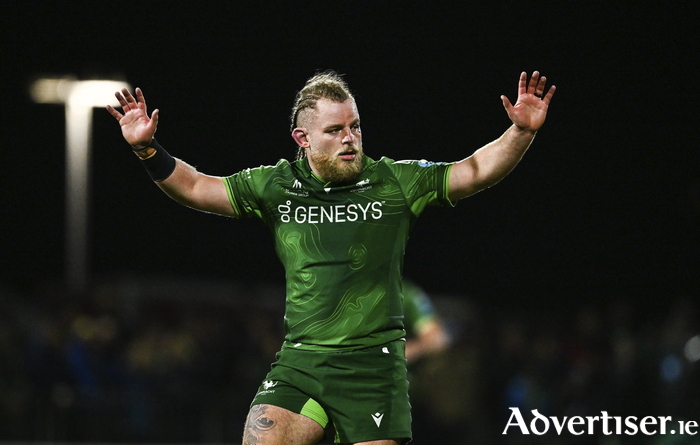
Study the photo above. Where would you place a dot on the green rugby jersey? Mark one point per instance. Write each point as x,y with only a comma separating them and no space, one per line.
342,247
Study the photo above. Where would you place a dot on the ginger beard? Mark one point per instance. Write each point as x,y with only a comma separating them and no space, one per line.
342,167
332,139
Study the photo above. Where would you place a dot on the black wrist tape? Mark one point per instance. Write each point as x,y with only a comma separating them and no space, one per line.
160,165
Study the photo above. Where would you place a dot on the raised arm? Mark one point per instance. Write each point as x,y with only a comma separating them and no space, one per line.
491,163
176,178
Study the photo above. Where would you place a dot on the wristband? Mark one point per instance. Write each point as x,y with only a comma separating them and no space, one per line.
157,162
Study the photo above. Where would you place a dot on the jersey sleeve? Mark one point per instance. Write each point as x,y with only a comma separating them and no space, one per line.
423,183
246,190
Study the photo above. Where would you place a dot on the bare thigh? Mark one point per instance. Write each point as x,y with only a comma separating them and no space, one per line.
272,425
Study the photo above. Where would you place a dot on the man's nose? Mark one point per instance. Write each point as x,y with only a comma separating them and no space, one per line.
348,137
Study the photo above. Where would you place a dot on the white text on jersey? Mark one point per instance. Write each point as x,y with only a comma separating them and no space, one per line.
333,214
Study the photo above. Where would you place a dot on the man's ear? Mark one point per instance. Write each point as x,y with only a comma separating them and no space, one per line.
300,137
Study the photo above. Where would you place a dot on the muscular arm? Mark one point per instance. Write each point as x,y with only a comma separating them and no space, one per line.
491,163
185,184
196,190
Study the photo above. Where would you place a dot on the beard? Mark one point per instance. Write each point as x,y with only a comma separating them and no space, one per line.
337,171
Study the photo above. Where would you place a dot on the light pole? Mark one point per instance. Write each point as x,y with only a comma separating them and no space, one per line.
79,97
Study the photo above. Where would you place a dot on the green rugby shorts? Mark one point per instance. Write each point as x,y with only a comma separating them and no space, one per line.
363,393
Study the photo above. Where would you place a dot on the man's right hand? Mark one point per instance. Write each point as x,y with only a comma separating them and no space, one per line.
137,128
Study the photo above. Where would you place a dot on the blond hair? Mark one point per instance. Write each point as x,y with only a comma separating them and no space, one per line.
326,85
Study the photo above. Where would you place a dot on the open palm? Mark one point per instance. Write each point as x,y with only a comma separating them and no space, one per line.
530,110
137,128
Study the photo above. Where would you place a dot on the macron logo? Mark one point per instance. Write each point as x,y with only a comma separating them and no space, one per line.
296,184
377,418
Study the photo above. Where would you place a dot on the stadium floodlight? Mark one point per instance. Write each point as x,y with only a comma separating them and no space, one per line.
79,98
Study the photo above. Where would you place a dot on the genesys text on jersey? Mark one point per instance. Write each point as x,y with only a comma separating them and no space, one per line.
333,214
595,425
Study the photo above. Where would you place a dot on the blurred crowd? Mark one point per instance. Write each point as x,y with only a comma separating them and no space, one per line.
176,361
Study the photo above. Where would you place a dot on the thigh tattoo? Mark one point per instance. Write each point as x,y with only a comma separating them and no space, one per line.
257,423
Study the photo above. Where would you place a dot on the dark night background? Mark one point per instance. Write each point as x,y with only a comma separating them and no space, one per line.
605,203
607,199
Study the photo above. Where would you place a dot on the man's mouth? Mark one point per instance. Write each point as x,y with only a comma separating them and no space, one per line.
348,155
